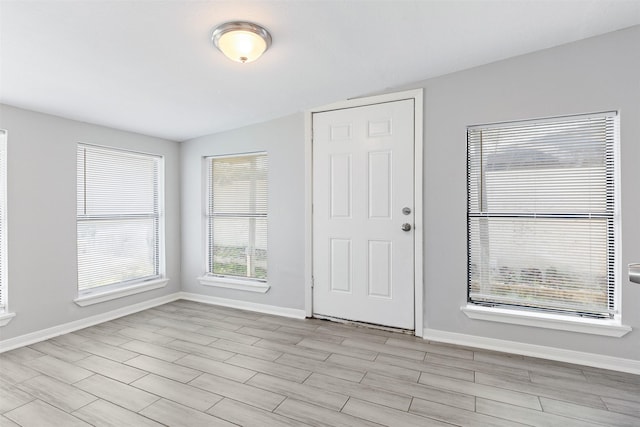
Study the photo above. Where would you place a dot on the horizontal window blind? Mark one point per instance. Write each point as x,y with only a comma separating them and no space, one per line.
3,219
541,214
118,209
237,216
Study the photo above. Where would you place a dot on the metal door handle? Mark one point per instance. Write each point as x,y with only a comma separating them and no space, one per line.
634,273
406,226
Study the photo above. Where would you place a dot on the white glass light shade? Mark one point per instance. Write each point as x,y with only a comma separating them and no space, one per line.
241,41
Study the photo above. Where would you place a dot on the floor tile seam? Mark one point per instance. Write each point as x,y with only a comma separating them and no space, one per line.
624,415
69,347
420,344
587,407
407,412
576,418
624,402
322,407
541,413
329,365
172,400
393,378
413,396
267,361
420,371
260,409
529,369
630,387
544,386
52,404
129,385
72,362
346,395
357,417
604,392
22,404
89,403
349,395
414,412
537,396
44,403
170,379
284,397
378,352
382,365
475,369
115,403
483,397
503,403
155,373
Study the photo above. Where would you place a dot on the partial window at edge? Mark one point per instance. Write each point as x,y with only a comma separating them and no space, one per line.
236,216
119,218
3,221
542,215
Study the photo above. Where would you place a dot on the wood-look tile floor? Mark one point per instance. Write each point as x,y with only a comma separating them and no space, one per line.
190,364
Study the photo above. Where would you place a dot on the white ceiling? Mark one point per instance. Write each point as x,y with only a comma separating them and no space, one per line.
148,66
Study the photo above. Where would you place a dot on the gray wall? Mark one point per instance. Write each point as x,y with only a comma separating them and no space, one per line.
283,140
41,194
592,75
598,74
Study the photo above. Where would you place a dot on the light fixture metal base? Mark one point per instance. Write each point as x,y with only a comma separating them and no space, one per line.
240,26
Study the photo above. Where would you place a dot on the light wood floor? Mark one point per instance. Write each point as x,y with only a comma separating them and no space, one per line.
189,364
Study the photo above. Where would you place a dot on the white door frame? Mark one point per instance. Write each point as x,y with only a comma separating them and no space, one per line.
417,96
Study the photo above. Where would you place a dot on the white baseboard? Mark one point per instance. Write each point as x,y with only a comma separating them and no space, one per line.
244,305
551,353
45,334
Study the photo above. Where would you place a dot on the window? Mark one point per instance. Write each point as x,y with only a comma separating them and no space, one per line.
119,212
236,217
3,221
542,215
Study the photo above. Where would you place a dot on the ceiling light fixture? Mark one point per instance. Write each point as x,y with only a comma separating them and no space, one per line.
241,41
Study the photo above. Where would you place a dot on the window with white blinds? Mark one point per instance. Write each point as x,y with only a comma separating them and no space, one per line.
236,216
3,220
119,217
542,215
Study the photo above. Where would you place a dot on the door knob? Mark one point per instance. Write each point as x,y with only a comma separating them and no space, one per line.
634,273
406,226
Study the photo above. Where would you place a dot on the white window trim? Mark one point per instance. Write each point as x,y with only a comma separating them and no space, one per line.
91,298
121,289
605,327
233,283
5,318
5,315
218,281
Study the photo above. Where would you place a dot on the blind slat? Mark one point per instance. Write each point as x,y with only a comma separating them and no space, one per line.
237,216
118,216
541,214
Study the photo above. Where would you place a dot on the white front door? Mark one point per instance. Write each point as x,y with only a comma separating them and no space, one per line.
363,195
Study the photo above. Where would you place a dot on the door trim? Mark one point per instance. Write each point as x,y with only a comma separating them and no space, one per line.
418,274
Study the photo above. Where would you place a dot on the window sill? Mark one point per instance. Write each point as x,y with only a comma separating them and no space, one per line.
98,297
5,318
238,284
610,328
